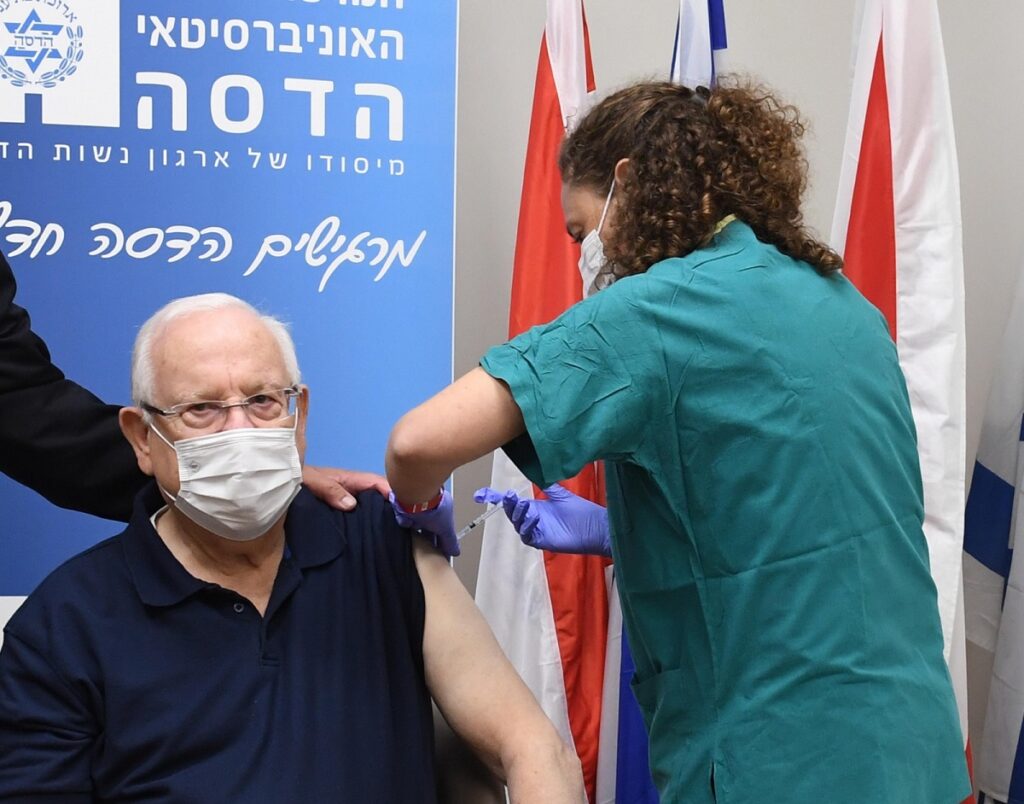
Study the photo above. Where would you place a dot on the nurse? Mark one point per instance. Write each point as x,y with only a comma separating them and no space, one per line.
764,493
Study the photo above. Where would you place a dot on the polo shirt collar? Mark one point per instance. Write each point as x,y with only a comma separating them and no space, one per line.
313,532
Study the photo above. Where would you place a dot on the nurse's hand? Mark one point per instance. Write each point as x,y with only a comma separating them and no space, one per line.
563,523
437,524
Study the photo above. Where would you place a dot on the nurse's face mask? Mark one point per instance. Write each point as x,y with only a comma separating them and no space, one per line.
592,260
237,483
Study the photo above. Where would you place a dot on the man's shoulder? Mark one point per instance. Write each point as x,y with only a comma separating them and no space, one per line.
372,504
358,545
370,527
91,568
369,511
372,521
91,579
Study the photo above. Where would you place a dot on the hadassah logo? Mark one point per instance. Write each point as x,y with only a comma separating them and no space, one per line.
68,53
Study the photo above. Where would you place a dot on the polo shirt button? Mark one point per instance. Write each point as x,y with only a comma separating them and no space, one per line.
239,608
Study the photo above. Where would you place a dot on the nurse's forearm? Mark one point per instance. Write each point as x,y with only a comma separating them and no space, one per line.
471,417
414,479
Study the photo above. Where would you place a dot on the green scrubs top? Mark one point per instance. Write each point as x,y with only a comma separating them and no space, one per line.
766,517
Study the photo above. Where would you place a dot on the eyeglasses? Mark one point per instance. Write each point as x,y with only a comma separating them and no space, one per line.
207,414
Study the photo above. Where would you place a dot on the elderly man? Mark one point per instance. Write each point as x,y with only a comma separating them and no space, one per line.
240,640
64,443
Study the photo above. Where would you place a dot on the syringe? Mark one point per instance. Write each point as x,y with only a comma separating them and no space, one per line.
484,516
493,509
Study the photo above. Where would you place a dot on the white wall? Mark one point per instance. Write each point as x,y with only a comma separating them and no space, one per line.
802,48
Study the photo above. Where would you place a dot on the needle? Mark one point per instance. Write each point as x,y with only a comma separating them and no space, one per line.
487,514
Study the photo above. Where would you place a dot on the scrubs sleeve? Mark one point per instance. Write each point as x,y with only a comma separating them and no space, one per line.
47,736
581,398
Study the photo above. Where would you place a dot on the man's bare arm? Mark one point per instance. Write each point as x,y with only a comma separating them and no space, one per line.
482,697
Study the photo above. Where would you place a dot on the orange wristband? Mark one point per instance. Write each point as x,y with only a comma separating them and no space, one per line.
419,508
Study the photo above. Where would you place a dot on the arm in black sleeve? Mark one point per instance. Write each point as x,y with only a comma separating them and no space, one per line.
56,437
47,734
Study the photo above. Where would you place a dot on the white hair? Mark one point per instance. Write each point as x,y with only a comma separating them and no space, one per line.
142,354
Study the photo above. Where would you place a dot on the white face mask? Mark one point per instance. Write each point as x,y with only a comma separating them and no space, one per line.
237,483
592,259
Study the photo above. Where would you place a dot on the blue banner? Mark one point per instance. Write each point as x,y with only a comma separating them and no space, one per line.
296,153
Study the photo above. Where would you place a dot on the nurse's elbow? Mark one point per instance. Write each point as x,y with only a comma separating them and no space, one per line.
409,446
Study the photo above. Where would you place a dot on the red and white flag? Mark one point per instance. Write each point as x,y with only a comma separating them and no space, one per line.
550,612
897,224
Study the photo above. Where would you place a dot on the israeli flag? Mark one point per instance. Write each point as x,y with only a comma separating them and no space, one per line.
700,32
993,579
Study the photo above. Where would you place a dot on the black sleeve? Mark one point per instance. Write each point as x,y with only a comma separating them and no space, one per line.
396,567
47,734
56,437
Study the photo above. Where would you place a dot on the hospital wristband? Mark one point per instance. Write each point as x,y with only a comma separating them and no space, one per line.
419,508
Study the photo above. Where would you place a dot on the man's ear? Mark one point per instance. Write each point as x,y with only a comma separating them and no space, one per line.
303,411
136,430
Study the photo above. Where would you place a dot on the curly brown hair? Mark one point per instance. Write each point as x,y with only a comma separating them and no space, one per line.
695,156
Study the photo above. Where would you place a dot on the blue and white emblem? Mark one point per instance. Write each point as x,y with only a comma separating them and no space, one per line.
39,52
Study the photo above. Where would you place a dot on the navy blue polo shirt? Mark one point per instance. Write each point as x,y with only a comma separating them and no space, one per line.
123,677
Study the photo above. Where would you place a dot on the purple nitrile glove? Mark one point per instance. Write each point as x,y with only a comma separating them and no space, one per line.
437,524
563,523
